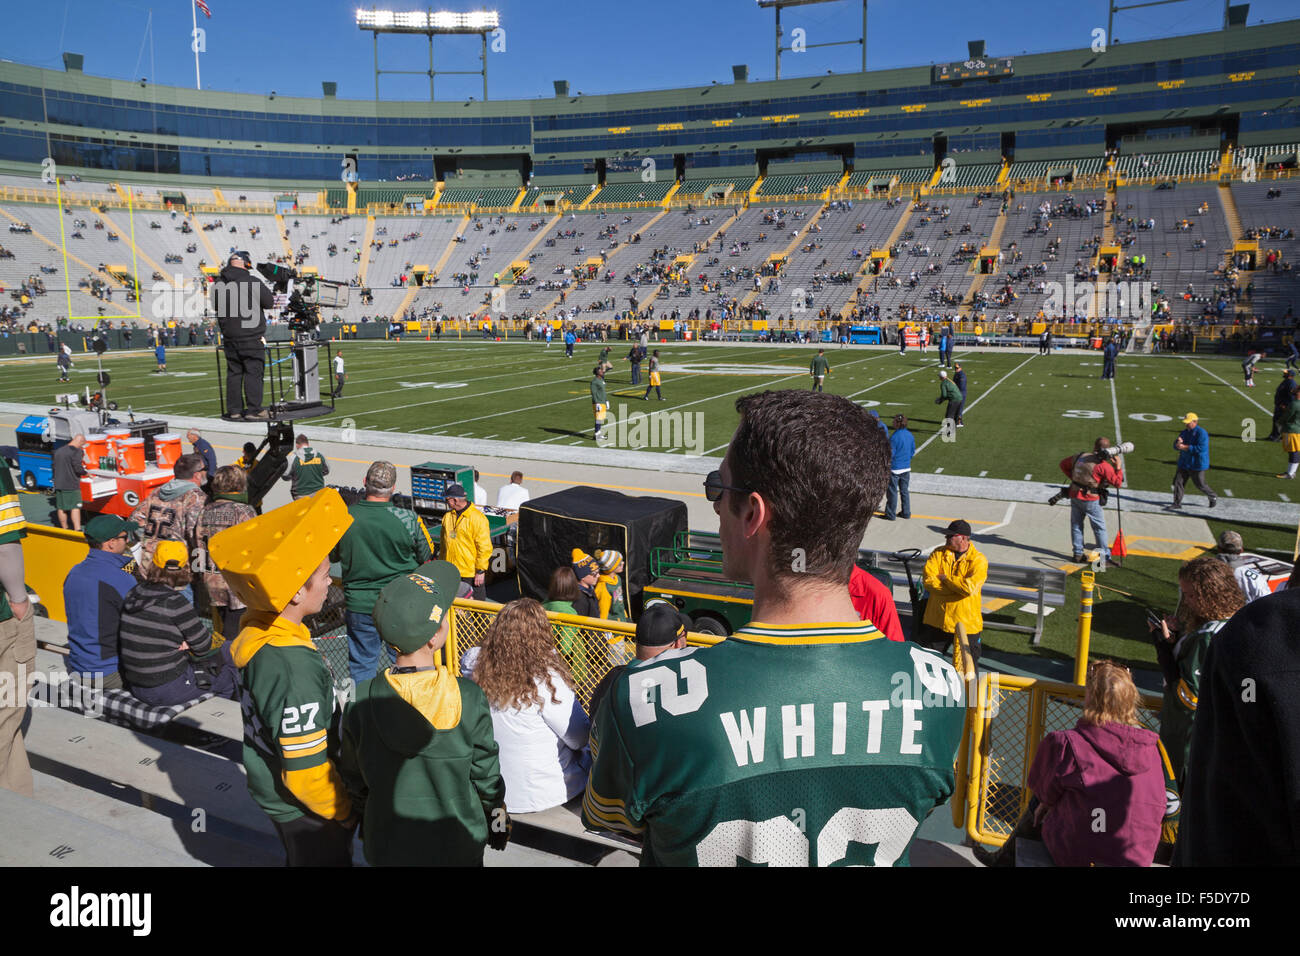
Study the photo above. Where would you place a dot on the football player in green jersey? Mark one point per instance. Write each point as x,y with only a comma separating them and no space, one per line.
806,738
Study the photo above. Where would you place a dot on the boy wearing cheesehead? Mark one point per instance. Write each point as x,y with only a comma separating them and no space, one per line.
278,565
418,750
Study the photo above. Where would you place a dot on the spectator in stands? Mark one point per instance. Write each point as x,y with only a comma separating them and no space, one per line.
661,629
1239,804
511,496
537,717
92,595
171,512
587,571
1099,789
466,541
69,467
17,640
874,602
954,576
1252,583
160,636
383,542
1209,595
202,447
288,693
427,797
307,470
665,773
902,445
229,507
248,458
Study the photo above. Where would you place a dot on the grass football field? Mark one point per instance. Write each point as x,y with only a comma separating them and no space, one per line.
1024,411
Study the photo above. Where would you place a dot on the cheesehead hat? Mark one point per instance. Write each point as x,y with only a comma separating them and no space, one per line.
267,559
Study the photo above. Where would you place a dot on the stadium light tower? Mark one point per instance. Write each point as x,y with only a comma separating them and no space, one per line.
778,5
431,23
1113,8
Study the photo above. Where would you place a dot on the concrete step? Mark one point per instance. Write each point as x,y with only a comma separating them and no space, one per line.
33,833
183,834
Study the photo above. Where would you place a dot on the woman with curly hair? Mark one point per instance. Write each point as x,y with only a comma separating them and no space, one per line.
1106,771
539,723
1210,595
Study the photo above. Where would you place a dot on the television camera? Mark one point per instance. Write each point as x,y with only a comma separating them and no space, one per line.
299,297
1106,453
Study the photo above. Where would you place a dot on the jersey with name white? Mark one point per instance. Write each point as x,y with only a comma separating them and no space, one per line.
816,745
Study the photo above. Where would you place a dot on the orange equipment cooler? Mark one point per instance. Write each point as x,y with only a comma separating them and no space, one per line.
130,456
96,448
167,448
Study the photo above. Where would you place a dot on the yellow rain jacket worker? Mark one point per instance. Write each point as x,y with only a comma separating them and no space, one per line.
465,540
954,576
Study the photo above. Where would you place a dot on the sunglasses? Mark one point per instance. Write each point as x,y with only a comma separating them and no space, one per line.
713,487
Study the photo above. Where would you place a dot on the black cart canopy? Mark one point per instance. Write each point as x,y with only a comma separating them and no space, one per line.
593,519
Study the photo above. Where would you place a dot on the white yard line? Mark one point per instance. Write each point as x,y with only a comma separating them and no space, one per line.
1233,387
1119,434
977,401
565,401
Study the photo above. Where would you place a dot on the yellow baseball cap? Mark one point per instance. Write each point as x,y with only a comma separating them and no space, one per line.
171,555
1190,418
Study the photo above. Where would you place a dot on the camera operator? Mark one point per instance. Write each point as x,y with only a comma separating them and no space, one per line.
239,298
1090,473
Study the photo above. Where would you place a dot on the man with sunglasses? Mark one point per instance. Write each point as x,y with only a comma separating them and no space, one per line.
706,753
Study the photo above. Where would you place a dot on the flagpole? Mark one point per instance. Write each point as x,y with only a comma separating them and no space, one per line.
194,20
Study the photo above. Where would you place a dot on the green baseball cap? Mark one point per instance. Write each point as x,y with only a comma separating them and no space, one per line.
412,607
103,528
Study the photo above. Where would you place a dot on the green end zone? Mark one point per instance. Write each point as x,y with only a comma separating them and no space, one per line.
134,274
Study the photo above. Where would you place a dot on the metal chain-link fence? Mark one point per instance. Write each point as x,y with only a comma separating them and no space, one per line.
590,651
1015,714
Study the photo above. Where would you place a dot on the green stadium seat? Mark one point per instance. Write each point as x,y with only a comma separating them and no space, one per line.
789,184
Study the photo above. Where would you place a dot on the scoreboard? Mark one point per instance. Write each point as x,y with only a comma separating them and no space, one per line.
983,68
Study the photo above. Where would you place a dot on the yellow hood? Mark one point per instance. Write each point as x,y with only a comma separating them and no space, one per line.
266,627
434,693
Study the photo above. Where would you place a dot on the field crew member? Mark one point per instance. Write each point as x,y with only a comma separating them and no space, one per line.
599,403
954,576
465,540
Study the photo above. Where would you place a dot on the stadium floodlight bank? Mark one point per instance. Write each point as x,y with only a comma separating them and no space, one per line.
431,24
419,21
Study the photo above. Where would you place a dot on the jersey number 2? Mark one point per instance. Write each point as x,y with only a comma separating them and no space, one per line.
779,842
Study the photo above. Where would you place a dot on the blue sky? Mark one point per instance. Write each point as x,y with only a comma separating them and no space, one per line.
612,46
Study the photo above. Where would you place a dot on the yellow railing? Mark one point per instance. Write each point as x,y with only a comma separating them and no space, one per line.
591,647
1010,717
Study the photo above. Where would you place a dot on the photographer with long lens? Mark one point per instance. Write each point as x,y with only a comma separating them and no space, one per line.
239,298
1090,473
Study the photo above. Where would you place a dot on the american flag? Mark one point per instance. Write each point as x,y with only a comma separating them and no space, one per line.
204,7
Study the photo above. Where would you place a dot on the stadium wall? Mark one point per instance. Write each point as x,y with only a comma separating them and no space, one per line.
1055,104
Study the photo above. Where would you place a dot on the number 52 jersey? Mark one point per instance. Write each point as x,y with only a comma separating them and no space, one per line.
813,745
